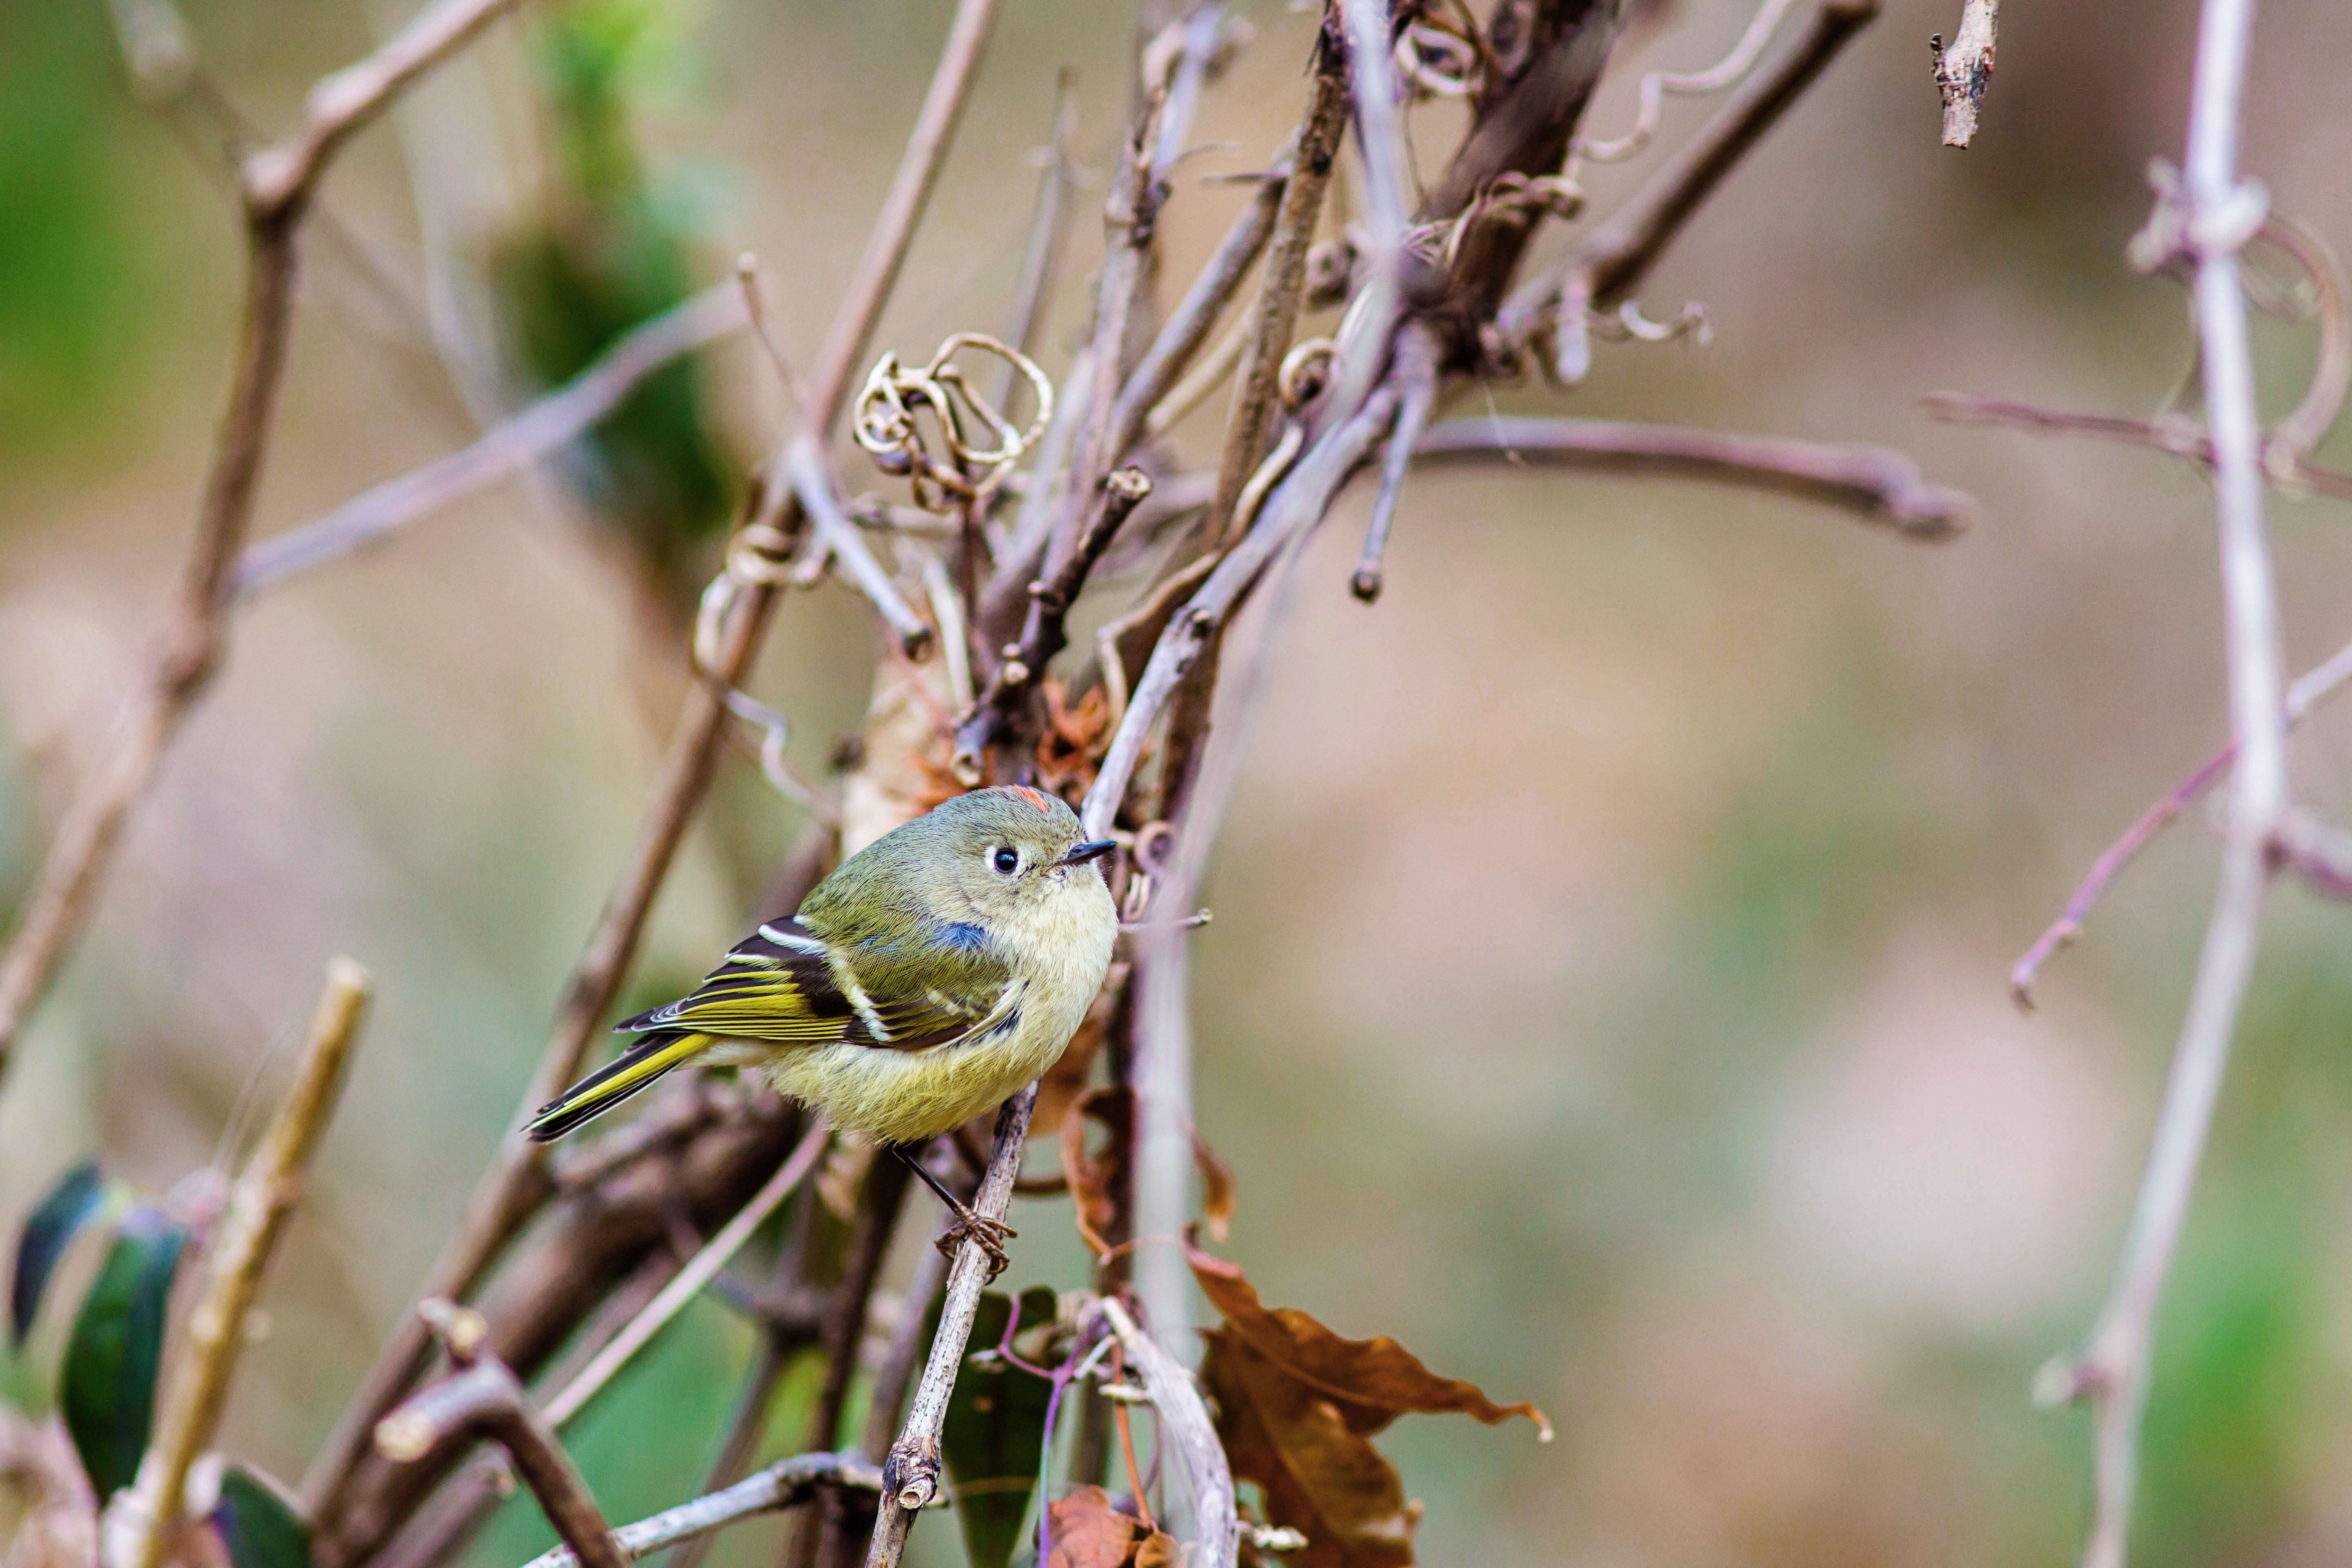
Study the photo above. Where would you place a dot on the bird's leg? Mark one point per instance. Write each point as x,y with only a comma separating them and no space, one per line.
967,1223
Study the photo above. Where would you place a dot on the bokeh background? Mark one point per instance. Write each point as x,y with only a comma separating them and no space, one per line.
1606,991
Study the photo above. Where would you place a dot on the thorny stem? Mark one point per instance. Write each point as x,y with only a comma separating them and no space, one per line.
2211,217
259,1208
516,1183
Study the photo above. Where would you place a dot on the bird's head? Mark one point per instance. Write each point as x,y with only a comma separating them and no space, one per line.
1008,851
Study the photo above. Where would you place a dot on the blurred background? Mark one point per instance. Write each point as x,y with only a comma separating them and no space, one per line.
1606,994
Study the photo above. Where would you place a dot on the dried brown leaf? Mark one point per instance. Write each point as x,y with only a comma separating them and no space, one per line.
1097,1180
1317,1474
1371,1382
1083,1531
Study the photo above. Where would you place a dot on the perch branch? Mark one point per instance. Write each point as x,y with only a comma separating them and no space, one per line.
517,1184
1875,483
2207,218
1965,70
910,1477
785,1484
259,1208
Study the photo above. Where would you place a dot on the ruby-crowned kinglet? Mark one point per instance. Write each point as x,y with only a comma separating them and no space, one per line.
938,969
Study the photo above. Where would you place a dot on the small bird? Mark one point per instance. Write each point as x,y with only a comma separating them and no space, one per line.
937,971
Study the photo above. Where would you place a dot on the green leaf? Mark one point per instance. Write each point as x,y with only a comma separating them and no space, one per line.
78,1198
994,1436
109,1389
257,1524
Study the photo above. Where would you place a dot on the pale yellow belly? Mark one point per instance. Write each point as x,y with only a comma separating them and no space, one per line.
909,1097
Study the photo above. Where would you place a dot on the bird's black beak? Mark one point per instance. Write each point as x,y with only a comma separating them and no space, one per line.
1085,852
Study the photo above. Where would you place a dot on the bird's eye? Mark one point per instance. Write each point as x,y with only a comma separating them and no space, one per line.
1006,861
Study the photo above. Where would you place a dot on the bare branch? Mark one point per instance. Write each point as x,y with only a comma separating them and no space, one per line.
275,186
2307,691
716,1254
1416,377
2175,437
514,1186
1875,483
1297,504
1185,1427
259,1208
507,447
785,1484
483,1397
1965,70
1612,260
1273,315
2207,219
1048,230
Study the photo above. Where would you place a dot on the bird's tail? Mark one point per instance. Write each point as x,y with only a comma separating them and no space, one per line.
612,1083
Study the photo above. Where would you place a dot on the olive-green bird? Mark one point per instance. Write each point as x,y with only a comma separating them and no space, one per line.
938,969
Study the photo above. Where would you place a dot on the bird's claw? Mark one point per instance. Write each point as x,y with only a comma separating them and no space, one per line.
990,1233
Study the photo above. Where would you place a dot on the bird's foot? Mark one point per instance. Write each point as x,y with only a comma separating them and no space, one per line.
969,1224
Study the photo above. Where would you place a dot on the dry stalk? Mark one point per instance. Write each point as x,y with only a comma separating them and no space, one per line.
258,1207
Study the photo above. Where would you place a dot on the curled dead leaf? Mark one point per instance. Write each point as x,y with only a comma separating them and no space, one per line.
1372,1381
1098,1181
1297,1407
1084,1531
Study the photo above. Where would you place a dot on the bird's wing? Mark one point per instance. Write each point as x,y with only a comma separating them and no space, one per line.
787,984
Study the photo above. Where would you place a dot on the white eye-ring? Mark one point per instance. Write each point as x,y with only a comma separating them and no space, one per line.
1005,858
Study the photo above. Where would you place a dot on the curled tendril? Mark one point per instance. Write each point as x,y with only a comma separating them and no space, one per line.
1657,84
1511,196
886,422
1691,321
1433,60
1305,371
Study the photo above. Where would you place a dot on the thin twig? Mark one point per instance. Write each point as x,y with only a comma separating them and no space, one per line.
1296,505
2177,437
1416,378
911,1474
2207,219
512,444
1965,70
515,1186
785,1484
258,1207
276,184
1875,483
881,1202
716,1254
1610,264
1273,315
2307,691
483,1397
1048,230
